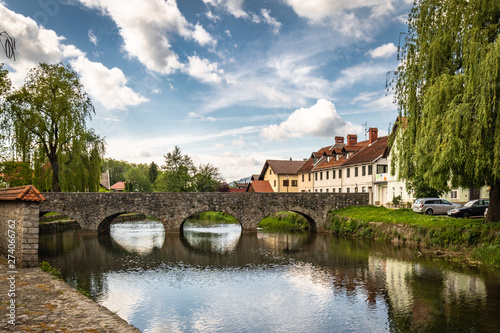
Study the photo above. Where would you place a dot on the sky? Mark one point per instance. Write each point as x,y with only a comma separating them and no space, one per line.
231,82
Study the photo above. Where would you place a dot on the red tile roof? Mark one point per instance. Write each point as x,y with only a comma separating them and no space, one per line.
369,153
120,186
260,186
23,193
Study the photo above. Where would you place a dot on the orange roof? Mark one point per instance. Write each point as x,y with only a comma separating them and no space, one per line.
260,186
369,153
118,186
23,193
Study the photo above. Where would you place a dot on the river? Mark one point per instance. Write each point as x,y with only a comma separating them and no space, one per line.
216,279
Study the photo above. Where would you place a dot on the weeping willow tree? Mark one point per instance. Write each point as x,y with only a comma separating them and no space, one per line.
46,122
448,88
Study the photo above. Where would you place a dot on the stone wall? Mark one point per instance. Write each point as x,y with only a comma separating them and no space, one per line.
96,211
20,218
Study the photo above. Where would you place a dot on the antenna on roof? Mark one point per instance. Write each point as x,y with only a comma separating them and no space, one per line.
365,125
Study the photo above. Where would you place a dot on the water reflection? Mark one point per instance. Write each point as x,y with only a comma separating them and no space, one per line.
218,239
140,237
206,282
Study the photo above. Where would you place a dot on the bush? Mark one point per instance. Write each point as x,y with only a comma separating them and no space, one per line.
46,267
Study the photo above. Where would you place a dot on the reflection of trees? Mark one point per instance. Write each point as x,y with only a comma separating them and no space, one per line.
417,295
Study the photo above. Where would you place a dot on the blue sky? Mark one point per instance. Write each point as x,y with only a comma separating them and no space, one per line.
231,82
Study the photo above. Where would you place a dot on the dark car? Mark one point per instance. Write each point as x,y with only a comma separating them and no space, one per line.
472,208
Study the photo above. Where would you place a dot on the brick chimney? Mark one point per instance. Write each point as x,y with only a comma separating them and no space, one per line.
352,139
339,139
373,134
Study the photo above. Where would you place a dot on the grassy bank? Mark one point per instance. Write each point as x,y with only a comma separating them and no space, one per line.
284,221
210,218
472,239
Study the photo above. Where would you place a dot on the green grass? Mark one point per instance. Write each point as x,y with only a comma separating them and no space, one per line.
487,254
284,221
46,267
476,236
210,218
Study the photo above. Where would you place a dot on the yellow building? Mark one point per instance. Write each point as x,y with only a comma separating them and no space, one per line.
282,175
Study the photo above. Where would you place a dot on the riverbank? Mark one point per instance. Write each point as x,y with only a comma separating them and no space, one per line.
44,303
471,240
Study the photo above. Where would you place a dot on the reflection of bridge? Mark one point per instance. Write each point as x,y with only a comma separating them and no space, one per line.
96,211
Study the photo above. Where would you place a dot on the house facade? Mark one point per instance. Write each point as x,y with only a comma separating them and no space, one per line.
282,175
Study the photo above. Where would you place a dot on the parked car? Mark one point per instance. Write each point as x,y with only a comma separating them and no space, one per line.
431,206
472,208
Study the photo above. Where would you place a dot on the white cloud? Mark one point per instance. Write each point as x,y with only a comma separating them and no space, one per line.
353,18
238,142
234,7
37,44
92,37
365,72
203,70
384,51
108,86
266,14
146,27
320,120
376,101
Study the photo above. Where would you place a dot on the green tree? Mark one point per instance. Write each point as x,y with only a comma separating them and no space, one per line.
46,121
447,87
178,173
153,172
207,178
137,179
117,170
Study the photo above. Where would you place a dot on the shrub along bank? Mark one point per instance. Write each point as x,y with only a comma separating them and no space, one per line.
472,239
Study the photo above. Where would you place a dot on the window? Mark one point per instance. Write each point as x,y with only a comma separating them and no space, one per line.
454,194
363,170
316,176
302,178
363,189
285,182
326,190
327,174
316,190
333,174
355,171
381,169
270,171
370,170
275,183
309,177
333,190
321,175
348,172
340,190
321,190
294,183
340,173
348,190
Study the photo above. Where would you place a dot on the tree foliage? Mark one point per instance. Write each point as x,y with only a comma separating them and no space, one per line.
137,179
46,122
447,87
207,178
178,173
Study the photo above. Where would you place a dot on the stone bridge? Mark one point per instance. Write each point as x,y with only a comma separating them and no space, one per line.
96,211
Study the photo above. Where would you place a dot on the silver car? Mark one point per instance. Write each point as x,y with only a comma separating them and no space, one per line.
431,206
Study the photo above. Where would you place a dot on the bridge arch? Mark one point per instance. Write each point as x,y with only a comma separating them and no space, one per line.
95,211
104,226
